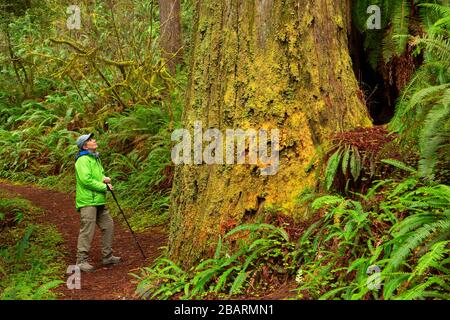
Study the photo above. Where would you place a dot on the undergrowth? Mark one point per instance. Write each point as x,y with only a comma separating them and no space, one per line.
31,262
400,229
247,256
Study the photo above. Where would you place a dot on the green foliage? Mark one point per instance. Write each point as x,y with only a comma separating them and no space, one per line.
354,160
423,109
346,158
15,210
405,234
396,24
332,167
434,139
30,257
163,280
400,165
109,79
402,227
144,173
120,89
262,249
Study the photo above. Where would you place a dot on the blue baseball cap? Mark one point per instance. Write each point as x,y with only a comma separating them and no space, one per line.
82,140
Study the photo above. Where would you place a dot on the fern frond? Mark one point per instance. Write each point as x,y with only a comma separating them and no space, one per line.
419,292
259,227
345,160
437,252
440,17
332,166
445,98
355,163
400,24
440,10
326,201
436,45
431,93
434,134
417,238
399,164
413,222
392,283
388,47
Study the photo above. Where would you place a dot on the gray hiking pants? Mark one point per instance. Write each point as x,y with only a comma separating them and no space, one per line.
91,216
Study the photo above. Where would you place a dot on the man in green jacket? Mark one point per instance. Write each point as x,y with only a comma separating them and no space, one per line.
91,203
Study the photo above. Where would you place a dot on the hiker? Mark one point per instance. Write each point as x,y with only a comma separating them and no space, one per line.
90,202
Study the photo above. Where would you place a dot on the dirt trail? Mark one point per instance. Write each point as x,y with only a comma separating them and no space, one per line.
109,283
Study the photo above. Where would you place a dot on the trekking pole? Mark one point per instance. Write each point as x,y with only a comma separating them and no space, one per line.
123,214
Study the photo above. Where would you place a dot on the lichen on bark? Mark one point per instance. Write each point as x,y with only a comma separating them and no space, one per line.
267,64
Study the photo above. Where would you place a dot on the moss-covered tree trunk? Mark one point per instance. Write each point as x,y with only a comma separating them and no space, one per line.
261,64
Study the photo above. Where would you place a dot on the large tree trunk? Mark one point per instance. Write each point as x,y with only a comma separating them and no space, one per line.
261,64
170,39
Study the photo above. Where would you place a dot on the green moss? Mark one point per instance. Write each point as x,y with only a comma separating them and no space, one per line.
281,68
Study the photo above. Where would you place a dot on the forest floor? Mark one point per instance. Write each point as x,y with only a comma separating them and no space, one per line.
106,283
113,282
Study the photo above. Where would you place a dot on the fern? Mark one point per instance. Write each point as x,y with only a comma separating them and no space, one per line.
326,201
332,166
399,164
223,279
436,45
355,163
400,24
345,159
389,47
434,135
439,9
417,238
436,254
420,292
392,283
426,95
222,273
395,25
238,282
45,288
373,38
259,227
413,251
413,222
423,110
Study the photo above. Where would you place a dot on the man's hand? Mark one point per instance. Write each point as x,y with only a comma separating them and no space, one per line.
106,180
110,186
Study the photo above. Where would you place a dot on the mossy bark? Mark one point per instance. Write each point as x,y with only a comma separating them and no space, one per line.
170,27
261,64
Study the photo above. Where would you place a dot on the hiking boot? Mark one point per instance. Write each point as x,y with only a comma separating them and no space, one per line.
111,260
85,266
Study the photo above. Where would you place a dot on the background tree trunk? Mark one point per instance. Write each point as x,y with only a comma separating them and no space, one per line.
261,64
170,39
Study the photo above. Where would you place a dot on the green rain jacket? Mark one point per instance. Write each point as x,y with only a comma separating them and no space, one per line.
90,189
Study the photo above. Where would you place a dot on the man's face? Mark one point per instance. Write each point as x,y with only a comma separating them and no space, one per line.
91,144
